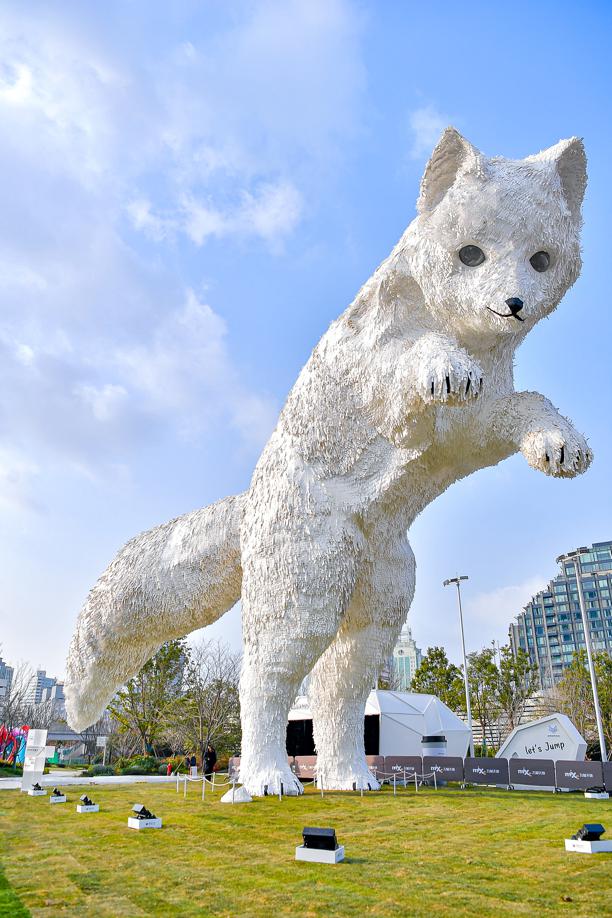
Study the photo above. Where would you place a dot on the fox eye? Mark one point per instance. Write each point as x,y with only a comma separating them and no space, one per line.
472,256
540,261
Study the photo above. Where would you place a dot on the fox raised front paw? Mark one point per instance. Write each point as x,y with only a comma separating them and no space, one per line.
561,452
451,377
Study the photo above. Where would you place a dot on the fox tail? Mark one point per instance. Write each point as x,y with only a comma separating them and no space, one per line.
162,585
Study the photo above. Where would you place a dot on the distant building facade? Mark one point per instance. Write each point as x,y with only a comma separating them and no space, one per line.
44,688
55,693
6,678
405,661
550,628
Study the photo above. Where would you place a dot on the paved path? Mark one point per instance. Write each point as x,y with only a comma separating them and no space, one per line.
57,780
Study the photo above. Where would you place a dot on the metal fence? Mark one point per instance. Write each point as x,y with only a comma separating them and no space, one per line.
565,774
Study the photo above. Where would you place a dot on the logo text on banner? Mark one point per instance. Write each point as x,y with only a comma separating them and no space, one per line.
532,772
483,770
446,768
574,775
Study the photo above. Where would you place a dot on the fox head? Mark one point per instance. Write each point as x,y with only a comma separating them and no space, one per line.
497,241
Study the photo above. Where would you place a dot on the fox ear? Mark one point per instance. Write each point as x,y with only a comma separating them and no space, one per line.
452,154
569,158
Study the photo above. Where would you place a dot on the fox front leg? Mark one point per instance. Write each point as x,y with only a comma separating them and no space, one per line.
433,370
546,439
443,372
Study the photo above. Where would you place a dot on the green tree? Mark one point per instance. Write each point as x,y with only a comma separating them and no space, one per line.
574,695
603,673
484,679
437,676
142,706
518,681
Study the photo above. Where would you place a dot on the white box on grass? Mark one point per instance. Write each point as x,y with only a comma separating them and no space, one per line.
134,823
92,808
596,795
588,847
319,855
57,798
37,793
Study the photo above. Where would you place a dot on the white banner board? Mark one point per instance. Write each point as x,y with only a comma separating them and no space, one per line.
552,737
36,752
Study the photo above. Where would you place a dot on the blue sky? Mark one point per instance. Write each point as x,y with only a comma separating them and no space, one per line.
191,193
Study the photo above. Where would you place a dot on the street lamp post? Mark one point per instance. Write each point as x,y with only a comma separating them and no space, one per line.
457,581
575,556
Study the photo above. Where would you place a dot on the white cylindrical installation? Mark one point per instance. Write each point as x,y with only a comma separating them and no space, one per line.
433,745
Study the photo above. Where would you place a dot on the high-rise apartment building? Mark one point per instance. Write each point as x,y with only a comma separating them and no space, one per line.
550,628
6,678
406,660
40,687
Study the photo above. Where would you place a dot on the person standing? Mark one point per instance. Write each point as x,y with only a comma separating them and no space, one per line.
193,766
210,760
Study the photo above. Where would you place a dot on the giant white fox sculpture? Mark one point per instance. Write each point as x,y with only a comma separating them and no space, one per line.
408,391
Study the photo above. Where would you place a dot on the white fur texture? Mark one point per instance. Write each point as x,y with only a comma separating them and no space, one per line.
409,390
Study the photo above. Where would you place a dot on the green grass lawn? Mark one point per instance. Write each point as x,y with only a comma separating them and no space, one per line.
472,852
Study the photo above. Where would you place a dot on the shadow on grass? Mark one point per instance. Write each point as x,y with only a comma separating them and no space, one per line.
10,903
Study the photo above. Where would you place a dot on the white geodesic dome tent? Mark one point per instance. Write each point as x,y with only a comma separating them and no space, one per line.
404,718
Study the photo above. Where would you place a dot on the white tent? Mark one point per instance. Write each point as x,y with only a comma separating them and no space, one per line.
405,718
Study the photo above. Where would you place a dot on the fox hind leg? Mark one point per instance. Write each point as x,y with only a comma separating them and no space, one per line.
348,670
292,603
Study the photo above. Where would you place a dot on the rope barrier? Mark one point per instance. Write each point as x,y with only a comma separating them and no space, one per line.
317,781
193,779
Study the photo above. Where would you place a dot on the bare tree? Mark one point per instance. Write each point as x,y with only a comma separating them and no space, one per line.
209,711
17,702
518,682
102,727
123,742
41,715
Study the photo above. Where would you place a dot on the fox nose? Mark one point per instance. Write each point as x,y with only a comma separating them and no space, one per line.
514,304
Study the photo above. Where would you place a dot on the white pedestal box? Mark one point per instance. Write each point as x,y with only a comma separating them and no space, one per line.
318,855
134,823
56,799
94,808
588,847
37,793
596,795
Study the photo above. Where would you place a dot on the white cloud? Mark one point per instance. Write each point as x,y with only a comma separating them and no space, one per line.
25,354
184,372
105,401
142,217
492,612
16,84
426,125
271,212
271,103
17,476
103,348
200,221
